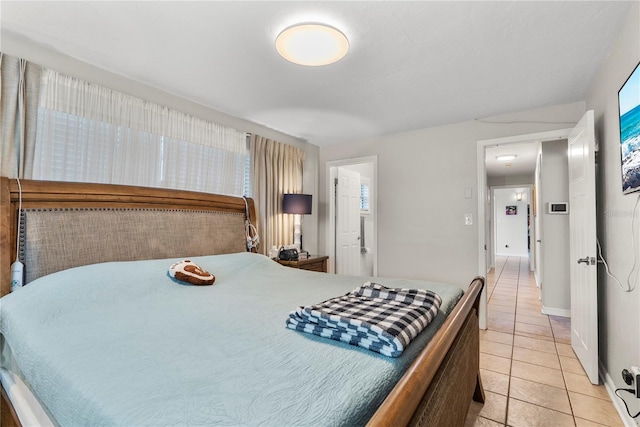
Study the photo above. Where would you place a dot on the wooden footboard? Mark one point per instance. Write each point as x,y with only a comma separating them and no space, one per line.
438,387
8,417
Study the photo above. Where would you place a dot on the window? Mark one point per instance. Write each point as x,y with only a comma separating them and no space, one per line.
247,177
89,133
364,195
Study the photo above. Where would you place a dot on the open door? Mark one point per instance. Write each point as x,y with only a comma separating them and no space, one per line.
348,222
582,232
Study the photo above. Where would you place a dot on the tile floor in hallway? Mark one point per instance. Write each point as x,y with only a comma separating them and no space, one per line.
530,373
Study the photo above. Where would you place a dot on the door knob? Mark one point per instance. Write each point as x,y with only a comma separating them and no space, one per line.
587,260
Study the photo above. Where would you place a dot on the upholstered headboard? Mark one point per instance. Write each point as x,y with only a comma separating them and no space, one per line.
66,225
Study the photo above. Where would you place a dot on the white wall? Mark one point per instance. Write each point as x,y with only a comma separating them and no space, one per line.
618,311
554,187
422,177
42,55
496,181
511,230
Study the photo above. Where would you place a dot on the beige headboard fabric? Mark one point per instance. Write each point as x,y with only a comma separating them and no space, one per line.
57,239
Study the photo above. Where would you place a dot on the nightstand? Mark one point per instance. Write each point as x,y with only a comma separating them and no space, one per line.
313,263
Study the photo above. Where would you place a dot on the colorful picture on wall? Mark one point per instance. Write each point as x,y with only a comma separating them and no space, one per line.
629,107
512,210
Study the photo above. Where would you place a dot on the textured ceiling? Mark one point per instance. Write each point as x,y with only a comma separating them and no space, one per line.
411,65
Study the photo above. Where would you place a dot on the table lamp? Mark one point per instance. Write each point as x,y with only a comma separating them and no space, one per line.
297,204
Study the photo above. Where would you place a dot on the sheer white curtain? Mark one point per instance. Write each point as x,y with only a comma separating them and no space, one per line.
19,82
89,133
276,169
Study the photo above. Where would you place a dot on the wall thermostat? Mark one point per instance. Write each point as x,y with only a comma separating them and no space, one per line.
558,208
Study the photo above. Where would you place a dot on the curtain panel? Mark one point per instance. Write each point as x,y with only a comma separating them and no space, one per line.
19,89
90,133
276,169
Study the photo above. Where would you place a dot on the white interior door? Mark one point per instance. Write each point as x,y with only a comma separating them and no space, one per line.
348,222
537,219
582,225
533,254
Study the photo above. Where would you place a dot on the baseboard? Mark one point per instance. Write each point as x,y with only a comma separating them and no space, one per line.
556,311
513,255
617,403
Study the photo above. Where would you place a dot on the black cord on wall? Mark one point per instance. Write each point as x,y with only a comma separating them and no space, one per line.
632,391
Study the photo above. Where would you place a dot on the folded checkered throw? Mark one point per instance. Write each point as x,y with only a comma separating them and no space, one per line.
380,319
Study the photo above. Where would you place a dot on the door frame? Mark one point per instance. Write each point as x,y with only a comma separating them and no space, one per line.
482,197
330,247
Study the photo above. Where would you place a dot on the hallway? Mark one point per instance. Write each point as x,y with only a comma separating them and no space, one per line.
530,373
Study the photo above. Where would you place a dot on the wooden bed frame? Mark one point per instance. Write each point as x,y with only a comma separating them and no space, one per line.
438,387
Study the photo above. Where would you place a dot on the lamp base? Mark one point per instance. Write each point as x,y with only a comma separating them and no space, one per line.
297,235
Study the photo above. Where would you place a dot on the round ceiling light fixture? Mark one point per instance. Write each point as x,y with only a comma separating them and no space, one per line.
312,45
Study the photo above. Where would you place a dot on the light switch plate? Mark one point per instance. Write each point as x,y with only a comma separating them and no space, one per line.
468,219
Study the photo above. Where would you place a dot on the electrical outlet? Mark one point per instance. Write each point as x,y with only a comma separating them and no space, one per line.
635,372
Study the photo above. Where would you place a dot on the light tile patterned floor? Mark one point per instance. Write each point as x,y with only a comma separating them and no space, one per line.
530,373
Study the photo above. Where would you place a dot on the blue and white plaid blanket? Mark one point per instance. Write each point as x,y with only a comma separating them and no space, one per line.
372,316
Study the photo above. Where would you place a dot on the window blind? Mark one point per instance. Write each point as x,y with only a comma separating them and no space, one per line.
89,133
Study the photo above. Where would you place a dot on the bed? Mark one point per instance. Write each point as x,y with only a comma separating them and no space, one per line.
216,355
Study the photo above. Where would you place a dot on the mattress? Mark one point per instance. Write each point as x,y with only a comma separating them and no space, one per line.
124,344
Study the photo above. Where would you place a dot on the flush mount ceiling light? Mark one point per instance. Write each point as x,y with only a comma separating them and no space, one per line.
312,44
506,157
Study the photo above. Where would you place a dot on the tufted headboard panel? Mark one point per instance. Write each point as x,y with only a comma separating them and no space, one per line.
67,225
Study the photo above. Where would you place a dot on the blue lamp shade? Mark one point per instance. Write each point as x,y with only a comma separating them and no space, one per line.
297,204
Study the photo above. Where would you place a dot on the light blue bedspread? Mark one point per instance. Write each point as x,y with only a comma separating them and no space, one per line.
123,344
